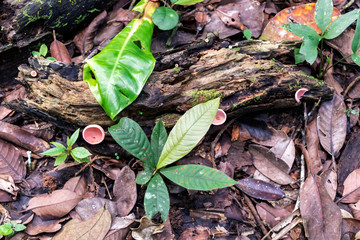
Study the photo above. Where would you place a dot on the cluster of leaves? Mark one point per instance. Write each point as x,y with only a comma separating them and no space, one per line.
43,51
61,152
329,30
164,150
9,228
351,111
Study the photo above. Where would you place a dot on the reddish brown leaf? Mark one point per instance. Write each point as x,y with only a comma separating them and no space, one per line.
11,161
93,229
260,189
271,215
302,14
332,124
322,217
84,40
272,167
125,191
352,187
313,144
329,181
16,135
197,233
38,225
77,185
349,227
355,209
59,51
41,130
54,205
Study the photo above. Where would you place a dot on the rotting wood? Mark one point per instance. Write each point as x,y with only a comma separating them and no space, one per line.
246,84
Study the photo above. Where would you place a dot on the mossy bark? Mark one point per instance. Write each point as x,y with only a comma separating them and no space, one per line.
181,79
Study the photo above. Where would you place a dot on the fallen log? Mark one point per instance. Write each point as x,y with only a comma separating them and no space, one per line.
181,79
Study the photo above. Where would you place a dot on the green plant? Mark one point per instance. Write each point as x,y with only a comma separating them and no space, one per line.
311,39
61,152
43,51
164,150
247,34
9,228
165,18
351,111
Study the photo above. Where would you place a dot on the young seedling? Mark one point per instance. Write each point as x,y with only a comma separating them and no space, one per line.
351,111
329,30
164,150
61,152
43,51
9,228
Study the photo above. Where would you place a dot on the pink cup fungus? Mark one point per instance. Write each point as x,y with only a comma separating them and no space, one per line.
93,134
220,117
299,93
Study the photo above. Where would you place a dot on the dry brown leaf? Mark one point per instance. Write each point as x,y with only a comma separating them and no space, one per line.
84,39
355,209
329,181
89,207
54,205
59,51
77,185
16,135
352,187
93,229
146,230
38,225
197,233
11,161
272,167
285,150
312,143
42,130
125,191
7,184
322,217
271,215
260,189
349,227
332,124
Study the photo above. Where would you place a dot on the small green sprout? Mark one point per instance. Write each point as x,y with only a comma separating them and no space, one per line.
61,152
43,51
9,228
351,111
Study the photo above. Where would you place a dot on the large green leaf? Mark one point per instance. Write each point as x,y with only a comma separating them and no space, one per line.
188,131
309,49
341,23
185,2
300,30
323,13
165,18
197,177
130,136
157,198
355,44
118,73
158,139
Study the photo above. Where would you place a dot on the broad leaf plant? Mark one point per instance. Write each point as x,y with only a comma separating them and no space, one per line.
164,150
329,30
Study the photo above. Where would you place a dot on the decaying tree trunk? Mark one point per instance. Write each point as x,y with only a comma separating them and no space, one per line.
26,24
182,79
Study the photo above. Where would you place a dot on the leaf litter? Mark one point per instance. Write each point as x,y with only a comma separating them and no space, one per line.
108,208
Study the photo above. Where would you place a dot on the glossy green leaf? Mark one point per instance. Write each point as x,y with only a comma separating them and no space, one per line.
188,131
157,198
165,18
300,30
35,53
299,58
185,2
247,34
340,24
60,159
58,145
80,160
309,49
118,73
43,50
51,58
140,6
198,177
355,44
356,59
80,152
71,141
158,139
323,13
53,151
130,136
5,229
17,226
144,177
